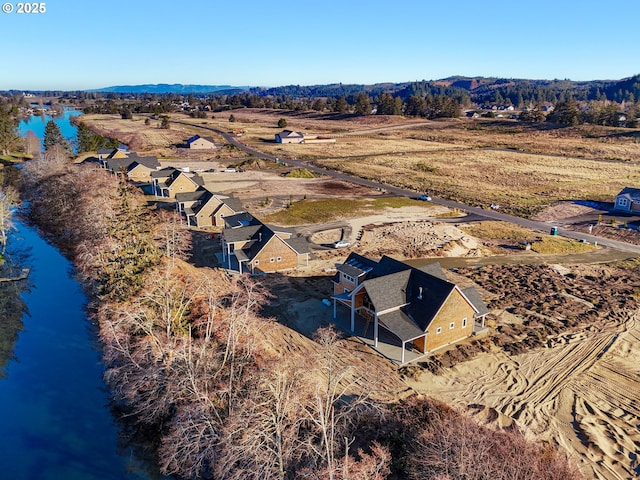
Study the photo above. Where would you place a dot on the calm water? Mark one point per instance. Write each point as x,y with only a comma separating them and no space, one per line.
56,424
37,124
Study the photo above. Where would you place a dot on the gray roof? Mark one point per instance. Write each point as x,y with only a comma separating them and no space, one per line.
149,162
400,325
164,172
418,293
116,164
191,196
233,203
476,300
434,269
240,234
388,291
349,270
290,134
240,219
299,244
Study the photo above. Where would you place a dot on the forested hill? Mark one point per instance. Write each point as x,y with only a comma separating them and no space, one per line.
478,89
161,88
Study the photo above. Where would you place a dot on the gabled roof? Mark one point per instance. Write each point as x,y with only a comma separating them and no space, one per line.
416,295
233,203
191,196
290,134
196,137
165,172
149,162
241,234
630,192
388,291
107,151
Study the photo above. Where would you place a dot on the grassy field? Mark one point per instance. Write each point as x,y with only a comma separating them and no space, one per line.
521,183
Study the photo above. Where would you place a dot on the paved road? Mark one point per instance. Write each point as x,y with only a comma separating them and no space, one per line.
486,214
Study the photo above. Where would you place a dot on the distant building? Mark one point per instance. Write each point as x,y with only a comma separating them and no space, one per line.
628,200
201,143
289,136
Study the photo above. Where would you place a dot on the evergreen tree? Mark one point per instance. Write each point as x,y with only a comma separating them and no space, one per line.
363,104
53,137
386,104
416,106
282,123
131,249
9,138
89,141
341,105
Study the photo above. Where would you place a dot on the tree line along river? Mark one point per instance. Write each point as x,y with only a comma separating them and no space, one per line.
57,423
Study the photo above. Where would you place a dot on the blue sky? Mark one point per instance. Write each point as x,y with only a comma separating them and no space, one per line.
83,44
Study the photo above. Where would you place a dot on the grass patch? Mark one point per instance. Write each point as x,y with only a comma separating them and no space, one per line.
396,202
497,231
560,246
316,211
300,173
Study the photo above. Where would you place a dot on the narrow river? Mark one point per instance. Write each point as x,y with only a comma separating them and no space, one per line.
56,423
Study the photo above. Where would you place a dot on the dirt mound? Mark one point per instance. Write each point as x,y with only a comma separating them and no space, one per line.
417,239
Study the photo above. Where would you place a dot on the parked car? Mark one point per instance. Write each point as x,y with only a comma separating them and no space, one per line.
424,198
341,244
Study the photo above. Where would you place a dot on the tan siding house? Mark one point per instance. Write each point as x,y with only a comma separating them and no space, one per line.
420,307
201,143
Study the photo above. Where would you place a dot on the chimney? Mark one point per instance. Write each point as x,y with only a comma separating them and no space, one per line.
419,293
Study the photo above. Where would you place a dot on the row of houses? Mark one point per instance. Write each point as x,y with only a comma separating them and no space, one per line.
418,306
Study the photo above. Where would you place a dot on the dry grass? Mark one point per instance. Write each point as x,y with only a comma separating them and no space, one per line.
522,183
523,168
560,246
320,211
494,230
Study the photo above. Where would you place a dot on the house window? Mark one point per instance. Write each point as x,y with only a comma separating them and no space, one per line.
452,325
438,330
348,278
181,188
622,202
464,322
279,259
256,262
271,260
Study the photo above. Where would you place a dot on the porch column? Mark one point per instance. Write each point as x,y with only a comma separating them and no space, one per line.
353,314
402,360
375,331
239,265
334,308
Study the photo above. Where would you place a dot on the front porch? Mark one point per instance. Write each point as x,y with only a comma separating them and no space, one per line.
386,344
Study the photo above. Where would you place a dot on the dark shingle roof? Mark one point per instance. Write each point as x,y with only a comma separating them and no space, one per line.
476,300
241,234
233,203
164,172
191,196
434,269
388,291
240,219
633,193
400,325
299,244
